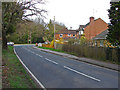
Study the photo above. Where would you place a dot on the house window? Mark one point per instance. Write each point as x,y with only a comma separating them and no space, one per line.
69,34
61,35
105,36
101,43
95,43
80,32
73,35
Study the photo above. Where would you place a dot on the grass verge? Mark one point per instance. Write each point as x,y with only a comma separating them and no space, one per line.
58,50
52,49
14,75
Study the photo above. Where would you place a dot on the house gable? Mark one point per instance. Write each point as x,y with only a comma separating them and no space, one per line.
94,28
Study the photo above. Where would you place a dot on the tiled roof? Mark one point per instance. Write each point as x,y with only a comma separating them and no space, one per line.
81,27
89,22
63,31
102,35
66,31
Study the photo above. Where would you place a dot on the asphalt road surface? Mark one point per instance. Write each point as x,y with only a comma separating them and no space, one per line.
55,71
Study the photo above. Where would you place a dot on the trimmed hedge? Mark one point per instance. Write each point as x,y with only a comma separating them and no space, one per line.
99,53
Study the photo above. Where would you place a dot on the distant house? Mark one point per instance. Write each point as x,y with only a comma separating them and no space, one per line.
100,39
94,28
81,30
67,34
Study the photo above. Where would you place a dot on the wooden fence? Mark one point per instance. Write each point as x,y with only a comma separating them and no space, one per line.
99,53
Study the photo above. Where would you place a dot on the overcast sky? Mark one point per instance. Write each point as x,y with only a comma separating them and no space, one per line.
77,12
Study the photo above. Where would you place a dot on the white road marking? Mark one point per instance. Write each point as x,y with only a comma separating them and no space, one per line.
41,85
33,52
51,61
37,54
70,69
40,56
82,74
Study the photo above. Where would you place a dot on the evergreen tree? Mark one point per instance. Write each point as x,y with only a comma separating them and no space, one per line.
50,32
114,26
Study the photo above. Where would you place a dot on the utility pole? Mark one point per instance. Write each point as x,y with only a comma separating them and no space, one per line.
54,34
30,37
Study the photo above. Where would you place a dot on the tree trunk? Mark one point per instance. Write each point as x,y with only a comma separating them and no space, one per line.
4,39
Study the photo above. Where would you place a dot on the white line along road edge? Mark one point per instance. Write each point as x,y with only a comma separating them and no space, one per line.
82,74
30,71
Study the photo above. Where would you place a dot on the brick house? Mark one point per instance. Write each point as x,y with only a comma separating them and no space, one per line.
94,27
67,34
100,39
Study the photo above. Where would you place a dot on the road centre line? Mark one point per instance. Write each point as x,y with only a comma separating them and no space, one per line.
51,61
40,56
33,52
70,68
82,74
37,54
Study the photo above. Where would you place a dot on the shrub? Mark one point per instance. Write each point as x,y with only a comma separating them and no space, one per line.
99,53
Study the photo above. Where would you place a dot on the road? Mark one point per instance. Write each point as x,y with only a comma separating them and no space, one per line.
55,71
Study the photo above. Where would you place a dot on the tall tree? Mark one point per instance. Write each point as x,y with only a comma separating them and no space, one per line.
12,12
50,31
24,30
114,26
59,26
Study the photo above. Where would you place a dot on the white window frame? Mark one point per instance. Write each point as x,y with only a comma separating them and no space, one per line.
69,34
74,35
61,35
101,43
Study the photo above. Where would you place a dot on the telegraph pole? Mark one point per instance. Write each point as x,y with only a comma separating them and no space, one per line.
30,37
54,34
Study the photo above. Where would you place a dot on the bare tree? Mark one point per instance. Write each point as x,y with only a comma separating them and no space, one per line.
13,12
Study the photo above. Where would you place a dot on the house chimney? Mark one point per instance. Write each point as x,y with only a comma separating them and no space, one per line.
91,19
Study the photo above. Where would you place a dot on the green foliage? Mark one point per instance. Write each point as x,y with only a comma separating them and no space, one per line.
23,30
11,29
12,13
97,53
83,40
50,32
114,27
15,74
59,27
73,41
38,40
52,49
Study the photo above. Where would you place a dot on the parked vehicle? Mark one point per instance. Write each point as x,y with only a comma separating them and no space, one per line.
40,44
10,43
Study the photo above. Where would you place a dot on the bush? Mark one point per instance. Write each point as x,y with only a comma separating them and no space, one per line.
99,53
